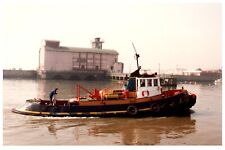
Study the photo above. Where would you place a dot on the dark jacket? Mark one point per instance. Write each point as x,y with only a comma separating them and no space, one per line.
52,93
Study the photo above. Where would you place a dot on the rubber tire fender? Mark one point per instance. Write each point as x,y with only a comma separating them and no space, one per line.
155,107
132,110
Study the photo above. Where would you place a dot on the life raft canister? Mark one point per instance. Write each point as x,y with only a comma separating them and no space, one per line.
145,93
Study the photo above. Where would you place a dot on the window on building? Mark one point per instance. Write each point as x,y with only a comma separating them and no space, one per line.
83,55
82,67
111,68
97,67
82,60
155,82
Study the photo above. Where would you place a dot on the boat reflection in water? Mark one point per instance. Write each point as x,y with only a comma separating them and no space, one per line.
124,131
148,132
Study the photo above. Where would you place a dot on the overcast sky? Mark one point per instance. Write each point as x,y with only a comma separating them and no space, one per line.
183,35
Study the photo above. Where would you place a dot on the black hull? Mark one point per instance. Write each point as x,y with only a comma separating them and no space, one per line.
170,105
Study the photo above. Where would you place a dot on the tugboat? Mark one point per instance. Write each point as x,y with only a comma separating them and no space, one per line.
142,95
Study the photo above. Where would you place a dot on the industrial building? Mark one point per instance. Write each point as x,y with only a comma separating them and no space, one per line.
60,62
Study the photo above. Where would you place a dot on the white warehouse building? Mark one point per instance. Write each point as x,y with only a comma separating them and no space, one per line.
59,62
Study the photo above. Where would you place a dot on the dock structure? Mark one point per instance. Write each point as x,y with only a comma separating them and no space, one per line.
19,74
120,76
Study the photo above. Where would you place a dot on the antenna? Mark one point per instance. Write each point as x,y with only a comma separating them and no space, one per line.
137,56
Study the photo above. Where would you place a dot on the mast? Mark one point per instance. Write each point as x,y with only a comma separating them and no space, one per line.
137,56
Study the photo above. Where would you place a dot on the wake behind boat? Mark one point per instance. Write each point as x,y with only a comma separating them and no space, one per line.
142,96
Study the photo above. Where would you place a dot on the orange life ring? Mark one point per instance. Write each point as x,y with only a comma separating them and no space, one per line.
143,93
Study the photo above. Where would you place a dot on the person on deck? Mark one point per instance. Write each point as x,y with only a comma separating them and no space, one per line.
52,95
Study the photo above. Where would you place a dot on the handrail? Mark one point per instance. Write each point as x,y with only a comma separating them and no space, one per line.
91,95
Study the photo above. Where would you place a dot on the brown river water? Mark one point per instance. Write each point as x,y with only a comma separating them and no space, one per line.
202,127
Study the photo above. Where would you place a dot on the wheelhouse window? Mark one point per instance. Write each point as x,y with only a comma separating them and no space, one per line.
155,82
149,82
142,82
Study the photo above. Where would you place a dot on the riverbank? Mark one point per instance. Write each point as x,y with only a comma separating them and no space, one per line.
93,75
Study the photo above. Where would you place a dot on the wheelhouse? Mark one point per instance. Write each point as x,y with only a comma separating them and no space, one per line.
144,86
